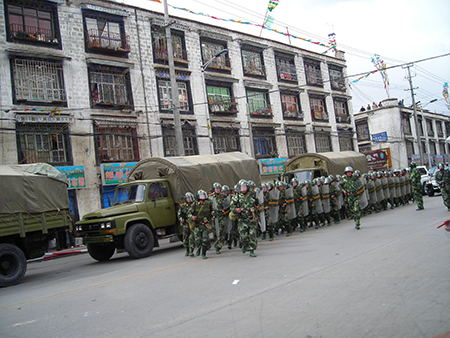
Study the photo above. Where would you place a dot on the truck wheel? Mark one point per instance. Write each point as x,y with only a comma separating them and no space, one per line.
139,241
100,252
13,264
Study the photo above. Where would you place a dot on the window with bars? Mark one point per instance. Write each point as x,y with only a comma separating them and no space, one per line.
43,142
296,144
38,81
424,147
430,130
323,142
420,127
362,131
442,148
165,95
253,63
264,143
225,140
432,148
318,108
220,100
110,86
291,106
258,103
189,141
406,124
31,23
106,33
336,77
116,143
160,46
447,129
313,73
209,50
341,111
285,69
346,141
409,149
440,131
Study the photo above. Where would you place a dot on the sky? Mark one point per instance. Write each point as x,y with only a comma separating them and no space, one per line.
400,31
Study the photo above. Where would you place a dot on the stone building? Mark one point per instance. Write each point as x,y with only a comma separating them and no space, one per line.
398,124
85,87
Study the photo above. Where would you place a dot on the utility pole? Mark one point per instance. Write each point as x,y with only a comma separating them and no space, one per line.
416,120
173,85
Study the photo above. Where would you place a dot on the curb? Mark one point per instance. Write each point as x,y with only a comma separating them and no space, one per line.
63,253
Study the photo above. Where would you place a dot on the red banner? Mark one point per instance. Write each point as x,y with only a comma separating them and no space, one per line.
378,159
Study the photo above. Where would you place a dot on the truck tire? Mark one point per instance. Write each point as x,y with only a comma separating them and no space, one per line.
100,252
13,264
139,241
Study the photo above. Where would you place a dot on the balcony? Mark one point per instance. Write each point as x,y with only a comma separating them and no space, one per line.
221,64
223,107
255,71
263,112
107,42
29,33
293,114
179,56
343,119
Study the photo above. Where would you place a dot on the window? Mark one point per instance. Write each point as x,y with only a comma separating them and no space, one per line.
105,33
258,103
424,147
253,64
406,124
447,129
165,95
323,142
43,142
31,23
116,142
296,143
209,50
420,127
318,108
285,68
291,107
189,141
430,127
225,140
409,149
440,131
362,131
341,110
313,73
110,86
38,81
442,148
336,78
160,46
264,143
157,191
345,141
219,99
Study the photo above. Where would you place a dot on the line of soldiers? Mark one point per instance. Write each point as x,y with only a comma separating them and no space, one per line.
238,216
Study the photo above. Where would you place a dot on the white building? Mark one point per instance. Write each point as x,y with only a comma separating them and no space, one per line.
398,123
85,87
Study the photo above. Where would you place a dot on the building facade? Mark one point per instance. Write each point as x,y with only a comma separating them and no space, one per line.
397,122
85,86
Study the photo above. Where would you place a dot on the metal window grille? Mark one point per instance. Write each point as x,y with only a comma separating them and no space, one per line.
258,103
296,144
252,63
409,149
440,131
313,73
47,143
170,145
362,131
340,108
110,87
209,50
323,142
218,97
318,109
430,128
290,105
165,95
336,78
225,140
116,144
105,34
406,124
286,69
38,81
161,46
346,142
264,143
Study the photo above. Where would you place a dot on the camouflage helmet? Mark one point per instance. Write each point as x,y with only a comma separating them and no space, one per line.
307,182
251,184
347,169
327,180
264,187
338,178
280,184
413,165
189,197
202,195
331,177
216,185
440,165
243,183
294,182
225,190
269,186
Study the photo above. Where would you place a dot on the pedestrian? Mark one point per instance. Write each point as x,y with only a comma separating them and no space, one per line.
416,186
443,179
350,190
188,229
201,213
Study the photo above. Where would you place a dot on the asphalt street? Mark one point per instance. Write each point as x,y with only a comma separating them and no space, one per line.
389,279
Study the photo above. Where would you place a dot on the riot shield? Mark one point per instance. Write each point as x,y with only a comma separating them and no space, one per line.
402,185
379,190
305,202
391,183
326,198
372,193
384,182
317,199
340,200
363,202
226,211
216,218
274,197
398,189
290,205
262,216
408,185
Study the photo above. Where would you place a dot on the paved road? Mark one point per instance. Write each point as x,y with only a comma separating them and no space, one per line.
389,279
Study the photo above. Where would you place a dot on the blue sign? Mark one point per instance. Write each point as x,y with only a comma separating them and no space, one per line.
380,137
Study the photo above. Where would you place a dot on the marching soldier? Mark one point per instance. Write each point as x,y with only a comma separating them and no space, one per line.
443,179
340,196
334,192
183,216
201,213
313,216
298,200
350,190
283,222
416,186
217,201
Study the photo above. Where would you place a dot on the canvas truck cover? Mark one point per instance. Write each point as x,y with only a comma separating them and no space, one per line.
192,173
332,163
32,188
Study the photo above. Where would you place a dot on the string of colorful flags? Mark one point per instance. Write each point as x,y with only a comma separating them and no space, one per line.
445,94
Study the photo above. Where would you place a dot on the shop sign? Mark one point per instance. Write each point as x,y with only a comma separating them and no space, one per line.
378,159
272,166
116,173
76,177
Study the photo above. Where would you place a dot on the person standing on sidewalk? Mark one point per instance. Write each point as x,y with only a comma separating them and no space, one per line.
416,186
443,179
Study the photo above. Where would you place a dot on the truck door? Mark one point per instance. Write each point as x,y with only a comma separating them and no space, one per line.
161,206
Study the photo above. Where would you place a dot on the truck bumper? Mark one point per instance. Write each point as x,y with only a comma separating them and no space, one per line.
98,239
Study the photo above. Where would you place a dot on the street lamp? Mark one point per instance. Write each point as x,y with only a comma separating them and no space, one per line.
203,67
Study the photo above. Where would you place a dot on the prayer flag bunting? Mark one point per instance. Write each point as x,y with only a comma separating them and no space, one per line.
269,21
272,4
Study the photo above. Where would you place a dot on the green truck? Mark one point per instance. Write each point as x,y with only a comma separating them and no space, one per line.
34,205
144,209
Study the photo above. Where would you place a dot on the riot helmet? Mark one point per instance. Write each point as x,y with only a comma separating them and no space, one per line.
189,197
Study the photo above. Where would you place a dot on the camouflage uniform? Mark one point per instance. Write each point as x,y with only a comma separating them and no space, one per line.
188,233
283,222
269,227
219,213
443,179
334,191
313,216
298,200
350,188
202,211
417,186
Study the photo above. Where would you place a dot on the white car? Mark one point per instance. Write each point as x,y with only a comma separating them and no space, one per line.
429,184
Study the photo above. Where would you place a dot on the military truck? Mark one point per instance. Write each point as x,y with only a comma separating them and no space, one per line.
34,205
144,209
312,165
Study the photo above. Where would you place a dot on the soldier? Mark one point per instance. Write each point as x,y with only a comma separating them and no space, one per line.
392,190
326,200
273,197
379,192
201,213
334,192
283,222
232,235
245,207
265,190
416,186
340,196
217,201
443,179
298,200
385,186
372,193
313,216
350,190
183,216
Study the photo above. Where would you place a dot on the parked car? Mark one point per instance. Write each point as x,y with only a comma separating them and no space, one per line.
429,184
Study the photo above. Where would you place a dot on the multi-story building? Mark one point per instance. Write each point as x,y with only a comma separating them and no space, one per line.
397,123
85,86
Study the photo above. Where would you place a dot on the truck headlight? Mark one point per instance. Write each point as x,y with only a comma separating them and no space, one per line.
79,228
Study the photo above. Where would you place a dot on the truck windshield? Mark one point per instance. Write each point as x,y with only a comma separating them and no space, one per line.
303,176
129,193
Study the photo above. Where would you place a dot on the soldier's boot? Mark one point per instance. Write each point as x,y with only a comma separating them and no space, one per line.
288,228
218,251
252,253
187,252
263,235
244,250
198,252
204,249
358,225
270,234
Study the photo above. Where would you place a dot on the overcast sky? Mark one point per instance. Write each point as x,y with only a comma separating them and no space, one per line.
400,31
